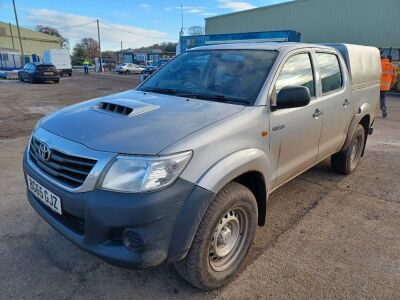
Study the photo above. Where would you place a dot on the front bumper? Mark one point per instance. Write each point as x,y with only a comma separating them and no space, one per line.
95,220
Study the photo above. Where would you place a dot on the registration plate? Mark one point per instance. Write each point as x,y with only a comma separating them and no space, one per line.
44,195
48,73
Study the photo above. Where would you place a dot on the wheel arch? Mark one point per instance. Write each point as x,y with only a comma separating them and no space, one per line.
248,167
363,117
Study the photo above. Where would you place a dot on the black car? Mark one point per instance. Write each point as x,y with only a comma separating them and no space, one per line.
35,72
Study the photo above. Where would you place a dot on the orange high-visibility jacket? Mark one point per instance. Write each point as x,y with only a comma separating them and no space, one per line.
388,75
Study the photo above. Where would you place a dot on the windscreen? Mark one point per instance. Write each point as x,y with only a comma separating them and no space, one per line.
234,76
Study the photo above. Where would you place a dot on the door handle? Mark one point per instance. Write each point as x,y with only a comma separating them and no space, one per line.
317,113
346,102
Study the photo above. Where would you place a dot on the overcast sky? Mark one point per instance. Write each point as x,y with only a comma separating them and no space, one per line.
135,23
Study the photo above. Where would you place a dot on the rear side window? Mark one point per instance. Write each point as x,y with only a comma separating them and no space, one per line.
330,72
297,71
395,55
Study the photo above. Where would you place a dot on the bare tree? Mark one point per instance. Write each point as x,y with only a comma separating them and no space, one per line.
196,30
92,47
64,43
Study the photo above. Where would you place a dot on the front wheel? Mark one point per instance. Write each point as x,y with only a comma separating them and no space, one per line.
223,239
346,161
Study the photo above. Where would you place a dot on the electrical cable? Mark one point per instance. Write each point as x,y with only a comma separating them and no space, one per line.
81,25
133,33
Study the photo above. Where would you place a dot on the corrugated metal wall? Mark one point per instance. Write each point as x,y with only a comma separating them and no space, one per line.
367,22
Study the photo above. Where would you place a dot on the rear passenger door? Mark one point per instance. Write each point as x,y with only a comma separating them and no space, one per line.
295,132
335,102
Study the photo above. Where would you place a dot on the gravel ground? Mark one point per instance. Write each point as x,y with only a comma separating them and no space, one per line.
327,236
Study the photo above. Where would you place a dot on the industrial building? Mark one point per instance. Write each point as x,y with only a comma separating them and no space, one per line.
33,42
366,22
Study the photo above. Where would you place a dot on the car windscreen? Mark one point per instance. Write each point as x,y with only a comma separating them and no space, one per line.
234,76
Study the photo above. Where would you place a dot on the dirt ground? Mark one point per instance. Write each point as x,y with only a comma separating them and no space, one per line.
327,236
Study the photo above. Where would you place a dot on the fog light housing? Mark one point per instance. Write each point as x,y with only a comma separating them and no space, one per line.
132,240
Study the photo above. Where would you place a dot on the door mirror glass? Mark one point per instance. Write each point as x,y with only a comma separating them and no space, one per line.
293,96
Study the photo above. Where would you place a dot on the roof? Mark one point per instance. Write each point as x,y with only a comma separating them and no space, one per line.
260,46
288,2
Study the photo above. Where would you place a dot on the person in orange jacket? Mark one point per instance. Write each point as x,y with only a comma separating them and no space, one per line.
388,78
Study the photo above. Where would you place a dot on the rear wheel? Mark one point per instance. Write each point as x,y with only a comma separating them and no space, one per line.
223,239
346,161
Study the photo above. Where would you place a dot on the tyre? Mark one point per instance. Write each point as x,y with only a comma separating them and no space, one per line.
31,80
346,161
69,74
20,78
223,239
57,81
127,72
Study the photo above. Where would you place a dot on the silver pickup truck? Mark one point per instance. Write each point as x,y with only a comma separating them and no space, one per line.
179,170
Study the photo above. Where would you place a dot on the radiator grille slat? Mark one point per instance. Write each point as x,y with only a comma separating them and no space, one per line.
69,170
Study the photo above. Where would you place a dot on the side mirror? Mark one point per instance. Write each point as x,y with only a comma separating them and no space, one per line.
293,96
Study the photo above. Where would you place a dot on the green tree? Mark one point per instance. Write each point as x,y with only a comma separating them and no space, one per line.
78,54
87,48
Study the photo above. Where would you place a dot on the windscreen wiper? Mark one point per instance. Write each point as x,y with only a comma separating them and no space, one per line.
215,97
166,91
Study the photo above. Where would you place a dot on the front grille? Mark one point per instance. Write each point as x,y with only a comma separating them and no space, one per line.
74,223
67,169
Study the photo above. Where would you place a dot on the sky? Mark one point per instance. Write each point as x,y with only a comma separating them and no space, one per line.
134,22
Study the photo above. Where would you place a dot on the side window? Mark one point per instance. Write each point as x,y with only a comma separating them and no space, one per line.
395,55
297,71
331,75
385,52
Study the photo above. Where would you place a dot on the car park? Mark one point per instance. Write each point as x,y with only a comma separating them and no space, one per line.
36,72
128,68
180,169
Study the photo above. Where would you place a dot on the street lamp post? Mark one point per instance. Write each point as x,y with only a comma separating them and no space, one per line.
181,33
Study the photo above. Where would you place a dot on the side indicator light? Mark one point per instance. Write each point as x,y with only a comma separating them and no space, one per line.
264,133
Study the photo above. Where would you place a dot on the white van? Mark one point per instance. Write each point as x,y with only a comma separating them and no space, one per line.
60,58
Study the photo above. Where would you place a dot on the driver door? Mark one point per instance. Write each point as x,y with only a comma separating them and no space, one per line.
295,132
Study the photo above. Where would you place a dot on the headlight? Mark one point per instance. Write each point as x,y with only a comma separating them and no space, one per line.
136,174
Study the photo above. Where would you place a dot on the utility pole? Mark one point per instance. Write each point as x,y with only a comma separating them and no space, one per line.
19,35
98,35
181,33
122,54
12,37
